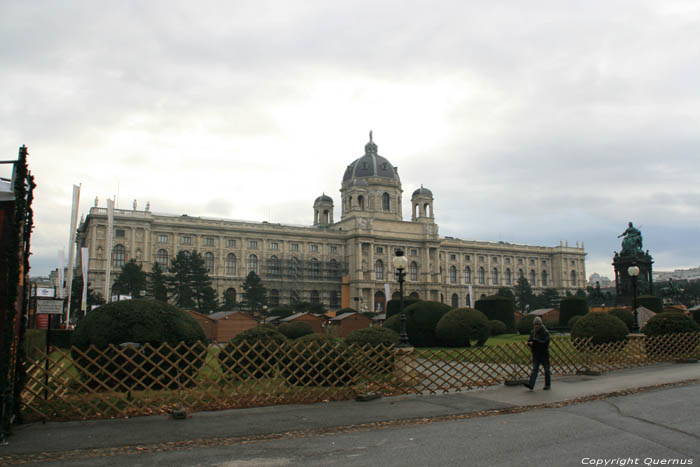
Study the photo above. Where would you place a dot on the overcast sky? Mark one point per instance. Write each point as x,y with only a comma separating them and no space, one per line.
554,121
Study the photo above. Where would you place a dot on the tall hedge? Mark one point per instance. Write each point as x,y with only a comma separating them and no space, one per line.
142,322
296,329
525,324
570,307
461,327
498,308
651,302
393,306
421,319
316,360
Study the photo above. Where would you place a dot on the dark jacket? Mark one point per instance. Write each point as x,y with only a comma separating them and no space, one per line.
539,343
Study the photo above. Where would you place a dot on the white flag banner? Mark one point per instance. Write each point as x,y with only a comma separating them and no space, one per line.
387,293
110,236
471,297
61,259
71,246
85,257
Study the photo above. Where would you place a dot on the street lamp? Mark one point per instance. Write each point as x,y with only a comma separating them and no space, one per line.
400,263
633,272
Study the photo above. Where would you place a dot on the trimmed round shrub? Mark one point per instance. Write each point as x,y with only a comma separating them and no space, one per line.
525,324
253,352
316,360
625,316
393,306
651,302
461,326
574,320
393,323
373,336
570,307
160,364
669,322
497,327
496,307
602,328
421,319
295,329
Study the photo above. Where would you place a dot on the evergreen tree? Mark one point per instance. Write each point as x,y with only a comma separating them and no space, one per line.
93,298
179,283
506,292
229,300
549,298
204,295
254,294
524,297
157,285
132,280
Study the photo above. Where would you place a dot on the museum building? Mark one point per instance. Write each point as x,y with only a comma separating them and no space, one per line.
344,263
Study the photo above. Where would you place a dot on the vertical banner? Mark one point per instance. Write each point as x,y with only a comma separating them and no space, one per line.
71,247
387,295
110,235
471,297
61,257
85,257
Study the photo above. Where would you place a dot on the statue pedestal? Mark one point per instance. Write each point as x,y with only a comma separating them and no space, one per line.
623,282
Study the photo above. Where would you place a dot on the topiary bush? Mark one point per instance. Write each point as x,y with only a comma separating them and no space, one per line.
421,319
138,366
373,336
497,327
496,307
525,324
253,353
461,326
570,307
651,302
375,350
316,360
573,321
602,328
671,322
393,306
393,323
625,316
295,329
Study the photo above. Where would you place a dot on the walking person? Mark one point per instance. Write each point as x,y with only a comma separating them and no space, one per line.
539,345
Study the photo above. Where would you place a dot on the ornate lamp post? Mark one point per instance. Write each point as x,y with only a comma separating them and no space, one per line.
400,263
633,272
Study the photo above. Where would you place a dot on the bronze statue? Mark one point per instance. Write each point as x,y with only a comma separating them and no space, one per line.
632,243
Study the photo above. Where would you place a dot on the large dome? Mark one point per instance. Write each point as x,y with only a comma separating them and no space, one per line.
370,165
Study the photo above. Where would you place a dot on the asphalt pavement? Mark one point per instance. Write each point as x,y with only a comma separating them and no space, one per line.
55,440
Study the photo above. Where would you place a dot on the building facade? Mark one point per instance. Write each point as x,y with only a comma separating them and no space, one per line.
343,263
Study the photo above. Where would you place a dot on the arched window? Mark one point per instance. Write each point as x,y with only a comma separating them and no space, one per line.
361,202
573,278
467,275
520,273
252,264
274,297
414,295
314,269
427,209
455,300
315,297
209,262
509,277
494,276
230,298
396,296
379,302
544,278
482,276
453,275
413,271
533,278
231,264
162,259
118,256
386,202
379,270
273,266
334,301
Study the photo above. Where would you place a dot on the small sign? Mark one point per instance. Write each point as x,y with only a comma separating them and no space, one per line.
45,292
49,307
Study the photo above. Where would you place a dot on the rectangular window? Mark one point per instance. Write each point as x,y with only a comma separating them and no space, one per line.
187,240
209,241
544,262
274,246
507,260
314,248
532,262
380,250
481,259
520,261
294,247
162,238
494,259
467,258
334,249
413,252
253,244
120,233
453,257
231,242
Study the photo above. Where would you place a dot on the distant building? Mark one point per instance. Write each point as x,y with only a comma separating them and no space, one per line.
692,274
335,263
604,281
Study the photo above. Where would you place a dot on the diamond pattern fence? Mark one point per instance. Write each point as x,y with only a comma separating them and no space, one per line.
120,382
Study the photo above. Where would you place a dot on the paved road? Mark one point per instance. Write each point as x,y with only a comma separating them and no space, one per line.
648,428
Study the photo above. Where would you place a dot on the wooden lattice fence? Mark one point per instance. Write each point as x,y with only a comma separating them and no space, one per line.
126,381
